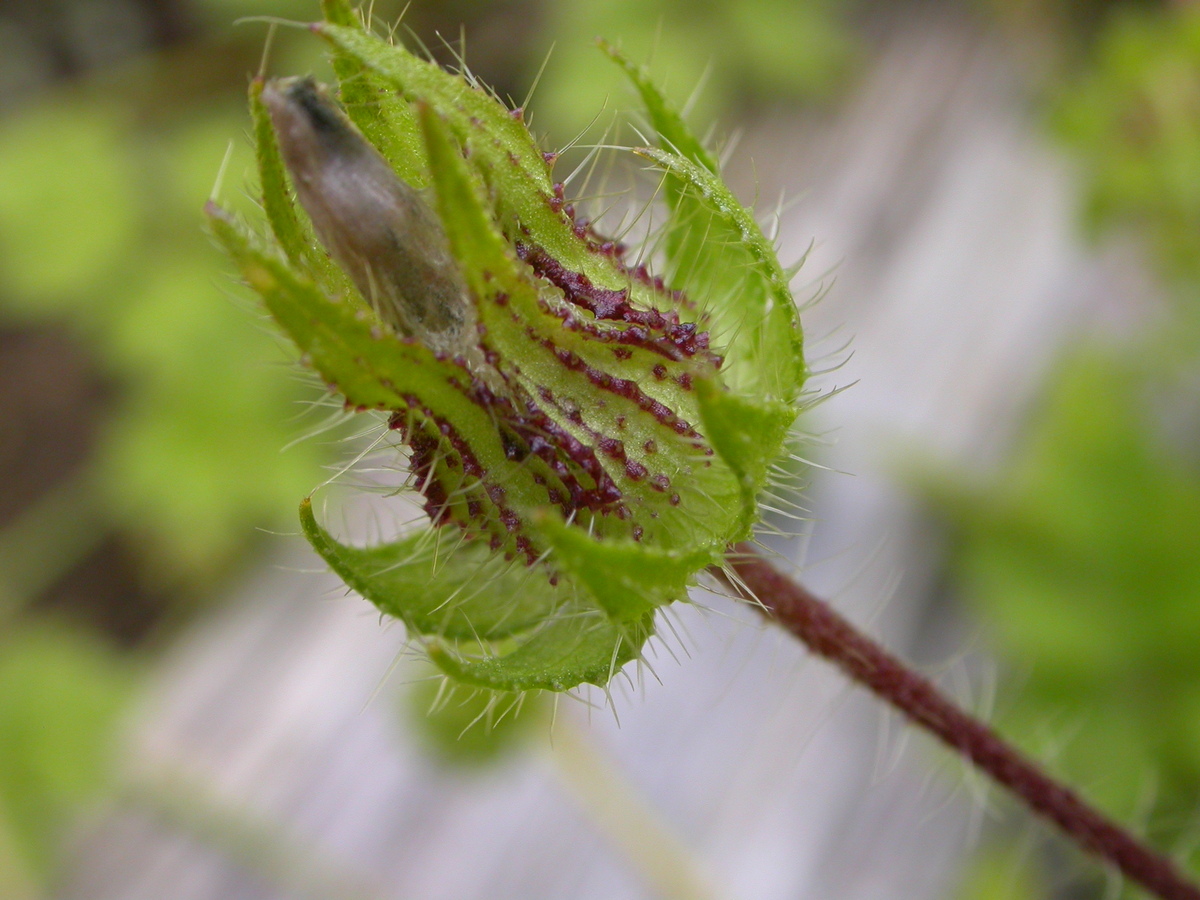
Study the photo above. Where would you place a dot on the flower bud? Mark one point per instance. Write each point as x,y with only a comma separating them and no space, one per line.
564,412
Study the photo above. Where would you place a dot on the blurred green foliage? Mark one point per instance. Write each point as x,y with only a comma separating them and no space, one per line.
102,180
98,232
473,728
62,690
1002,872
1083,556
737,51
1132,119
100,235
1084,560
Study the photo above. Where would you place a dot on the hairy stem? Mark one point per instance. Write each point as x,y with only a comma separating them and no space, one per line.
829,635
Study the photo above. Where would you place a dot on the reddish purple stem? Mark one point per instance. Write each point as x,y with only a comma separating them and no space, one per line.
829,635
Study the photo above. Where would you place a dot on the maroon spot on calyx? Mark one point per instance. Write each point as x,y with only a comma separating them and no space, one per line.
612,447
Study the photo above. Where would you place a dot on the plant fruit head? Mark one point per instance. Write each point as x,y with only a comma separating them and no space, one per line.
585,439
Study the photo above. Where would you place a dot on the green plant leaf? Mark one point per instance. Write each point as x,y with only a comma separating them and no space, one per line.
62,693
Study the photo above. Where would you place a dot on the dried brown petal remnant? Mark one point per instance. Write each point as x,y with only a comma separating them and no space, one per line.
379,229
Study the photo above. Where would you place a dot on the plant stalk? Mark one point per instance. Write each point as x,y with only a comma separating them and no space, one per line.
669,867
829,635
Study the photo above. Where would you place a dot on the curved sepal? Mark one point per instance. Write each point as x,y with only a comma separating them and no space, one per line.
488,623
295,241
386,120
673,132
737,276
576,646
458,592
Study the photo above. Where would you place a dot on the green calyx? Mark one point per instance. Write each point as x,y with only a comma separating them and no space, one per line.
585,440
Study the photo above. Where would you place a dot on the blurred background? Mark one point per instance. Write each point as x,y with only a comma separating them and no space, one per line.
1000,200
